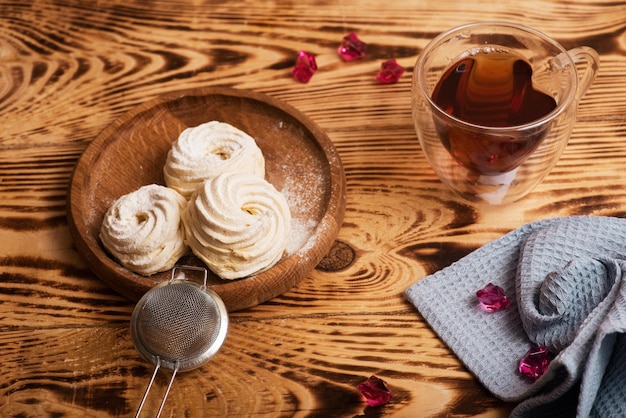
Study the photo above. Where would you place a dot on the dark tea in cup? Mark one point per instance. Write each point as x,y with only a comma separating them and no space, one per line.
494,89
494,104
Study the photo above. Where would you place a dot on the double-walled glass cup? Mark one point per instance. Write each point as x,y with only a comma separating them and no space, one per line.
499,164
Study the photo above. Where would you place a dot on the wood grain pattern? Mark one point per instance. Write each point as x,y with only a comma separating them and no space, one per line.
68,68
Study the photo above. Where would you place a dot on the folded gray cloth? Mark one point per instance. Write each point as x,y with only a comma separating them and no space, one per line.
565,280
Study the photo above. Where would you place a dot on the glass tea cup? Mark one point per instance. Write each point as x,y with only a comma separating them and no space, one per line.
498,164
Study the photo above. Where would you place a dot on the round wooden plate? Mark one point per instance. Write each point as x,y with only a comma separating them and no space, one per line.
301,162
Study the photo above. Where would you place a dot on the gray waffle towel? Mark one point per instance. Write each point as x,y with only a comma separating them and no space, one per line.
565,279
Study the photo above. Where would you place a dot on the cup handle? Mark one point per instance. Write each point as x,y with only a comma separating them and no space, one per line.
590,57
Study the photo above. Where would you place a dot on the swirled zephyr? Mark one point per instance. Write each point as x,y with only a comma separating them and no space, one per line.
238,224
209,149
143,231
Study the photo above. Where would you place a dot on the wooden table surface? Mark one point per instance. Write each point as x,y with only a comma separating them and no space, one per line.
68,68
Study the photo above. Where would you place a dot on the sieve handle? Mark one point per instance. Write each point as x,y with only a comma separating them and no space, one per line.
167,391
145,395
157,366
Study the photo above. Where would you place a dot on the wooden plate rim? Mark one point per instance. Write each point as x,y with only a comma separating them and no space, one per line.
267,285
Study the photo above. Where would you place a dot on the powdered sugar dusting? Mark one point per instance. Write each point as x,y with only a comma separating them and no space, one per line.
301,231
304,193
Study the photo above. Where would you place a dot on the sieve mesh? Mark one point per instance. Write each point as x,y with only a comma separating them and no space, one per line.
178,322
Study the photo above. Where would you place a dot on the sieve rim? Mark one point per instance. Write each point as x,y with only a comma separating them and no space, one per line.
191,362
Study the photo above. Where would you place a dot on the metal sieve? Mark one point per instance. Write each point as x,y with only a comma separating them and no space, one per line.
178,325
